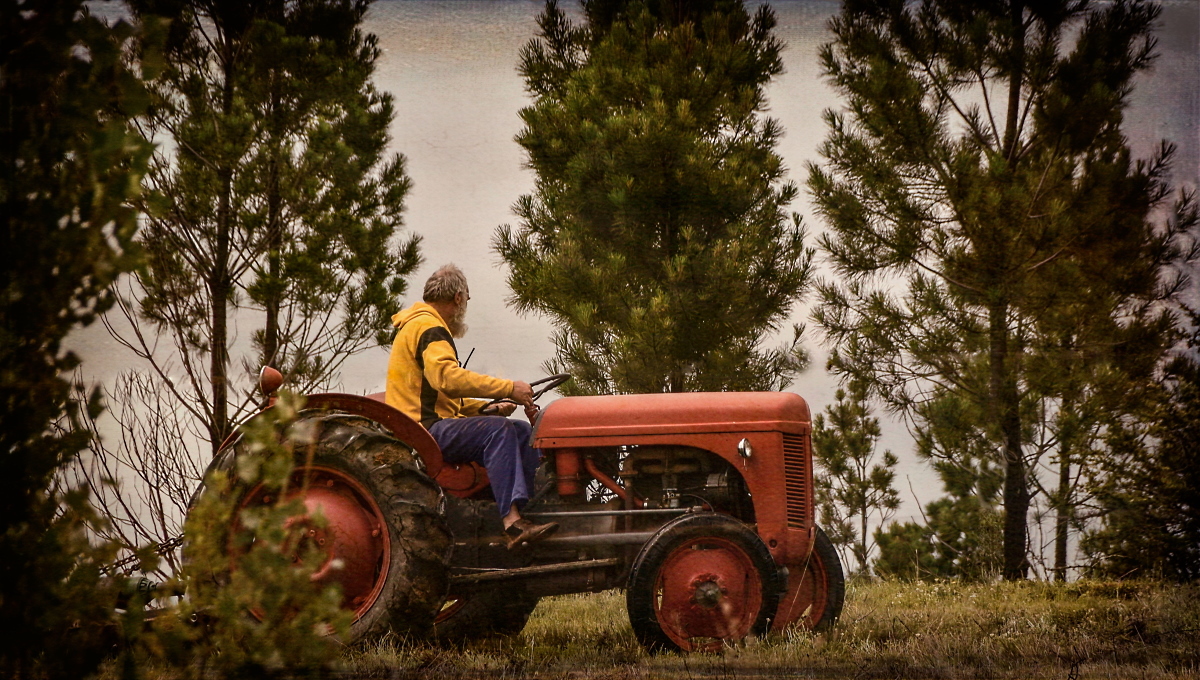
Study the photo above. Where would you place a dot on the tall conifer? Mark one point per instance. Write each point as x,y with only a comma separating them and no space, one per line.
656,240
977,184
282,212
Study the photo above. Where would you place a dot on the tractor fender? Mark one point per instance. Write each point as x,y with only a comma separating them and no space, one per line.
401,426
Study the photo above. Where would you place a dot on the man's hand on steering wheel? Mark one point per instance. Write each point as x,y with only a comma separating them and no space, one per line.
500,408
522,393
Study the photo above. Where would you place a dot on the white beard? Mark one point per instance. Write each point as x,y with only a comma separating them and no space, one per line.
457,326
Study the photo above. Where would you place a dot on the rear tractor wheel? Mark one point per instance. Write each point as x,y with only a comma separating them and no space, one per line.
384,533
483,614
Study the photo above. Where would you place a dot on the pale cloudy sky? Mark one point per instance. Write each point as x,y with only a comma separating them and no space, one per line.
451,66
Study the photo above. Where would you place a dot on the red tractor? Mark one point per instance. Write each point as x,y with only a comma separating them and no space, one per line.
700,505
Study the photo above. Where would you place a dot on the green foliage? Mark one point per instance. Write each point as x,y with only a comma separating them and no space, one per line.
962,536
1148,492
992,237
264,617
906,552
854,487
656,240
69,167
962,539
282,208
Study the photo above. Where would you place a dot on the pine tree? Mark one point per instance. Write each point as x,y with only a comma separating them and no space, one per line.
854,487
961,535
656,240
69,167
282,208
977,182
1148,492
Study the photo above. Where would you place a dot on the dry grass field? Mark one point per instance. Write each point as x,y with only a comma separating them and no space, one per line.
1072,631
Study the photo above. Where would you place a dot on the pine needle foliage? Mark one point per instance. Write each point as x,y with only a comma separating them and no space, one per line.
857,486
977,185
656,239
1148,492
282,209
961,535
70,166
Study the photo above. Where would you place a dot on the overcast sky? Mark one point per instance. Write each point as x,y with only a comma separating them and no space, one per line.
452,69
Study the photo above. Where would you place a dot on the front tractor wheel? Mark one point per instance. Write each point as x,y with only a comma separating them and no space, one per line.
701,581
384,533
816,589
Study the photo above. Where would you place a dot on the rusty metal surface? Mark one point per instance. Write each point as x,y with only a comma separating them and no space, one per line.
402,427
463,480
764,474
714,593
354,536
687,413
529,572
806,597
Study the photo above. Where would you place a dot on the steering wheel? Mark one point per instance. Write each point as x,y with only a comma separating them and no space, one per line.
550,383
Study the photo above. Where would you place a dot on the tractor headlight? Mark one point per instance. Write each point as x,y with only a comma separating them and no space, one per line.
744,449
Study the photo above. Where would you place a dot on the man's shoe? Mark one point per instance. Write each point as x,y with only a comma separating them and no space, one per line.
523,531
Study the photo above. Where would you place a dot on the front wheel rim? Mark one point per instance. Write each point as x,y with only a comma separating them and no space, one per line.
707,591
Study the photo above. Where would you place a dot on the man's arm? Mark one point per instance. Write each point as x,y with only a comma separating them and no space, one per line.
445,375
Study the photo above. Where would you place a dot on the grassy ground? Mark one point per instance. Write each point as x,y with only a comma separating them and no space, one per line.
1070,631
888,630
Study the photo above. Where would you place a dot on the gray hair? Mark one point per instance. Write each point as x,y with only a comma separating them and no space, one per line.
444,284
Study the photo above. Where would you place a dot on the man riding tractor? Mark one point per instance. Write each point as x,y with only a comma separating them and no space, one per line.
426,383
438,519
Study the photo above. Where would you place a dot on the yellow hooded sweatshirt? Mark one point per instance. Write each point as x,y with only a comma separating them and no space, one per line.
424,379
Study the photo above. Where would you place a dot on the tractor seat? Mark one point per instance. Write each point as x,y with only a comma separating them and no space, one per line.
462,480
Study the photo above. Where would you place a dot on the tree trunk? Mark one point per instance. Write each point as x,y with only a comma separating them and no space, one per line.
1063,497
1003,388
862,544
1016,80
219,284
1005,404
271,354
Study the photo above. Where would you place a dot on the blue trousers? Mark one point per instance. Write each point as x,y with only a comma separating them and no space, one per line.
500,445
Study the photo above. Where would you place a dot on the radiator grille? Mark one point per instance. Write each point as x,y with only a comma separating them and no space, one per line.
794,468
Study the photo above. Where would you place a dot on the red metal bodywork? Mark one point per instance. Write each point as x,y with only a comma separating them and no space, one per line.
463,481
697,620
353,536
777,472
777,426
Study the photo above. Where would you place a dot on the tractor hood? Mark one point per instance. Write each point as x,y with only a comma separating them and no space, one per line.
665,414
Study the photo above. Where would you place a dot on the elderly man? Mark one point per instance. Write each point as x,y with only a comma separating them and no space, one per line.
426,382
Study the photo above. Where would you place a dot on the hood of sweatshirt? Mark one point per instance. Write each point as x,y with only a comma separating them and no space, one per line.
419,309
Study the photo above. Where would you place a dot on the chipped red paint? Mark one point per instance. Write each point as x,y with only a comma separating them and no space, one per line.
710,595
354,537
715,422
463,481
